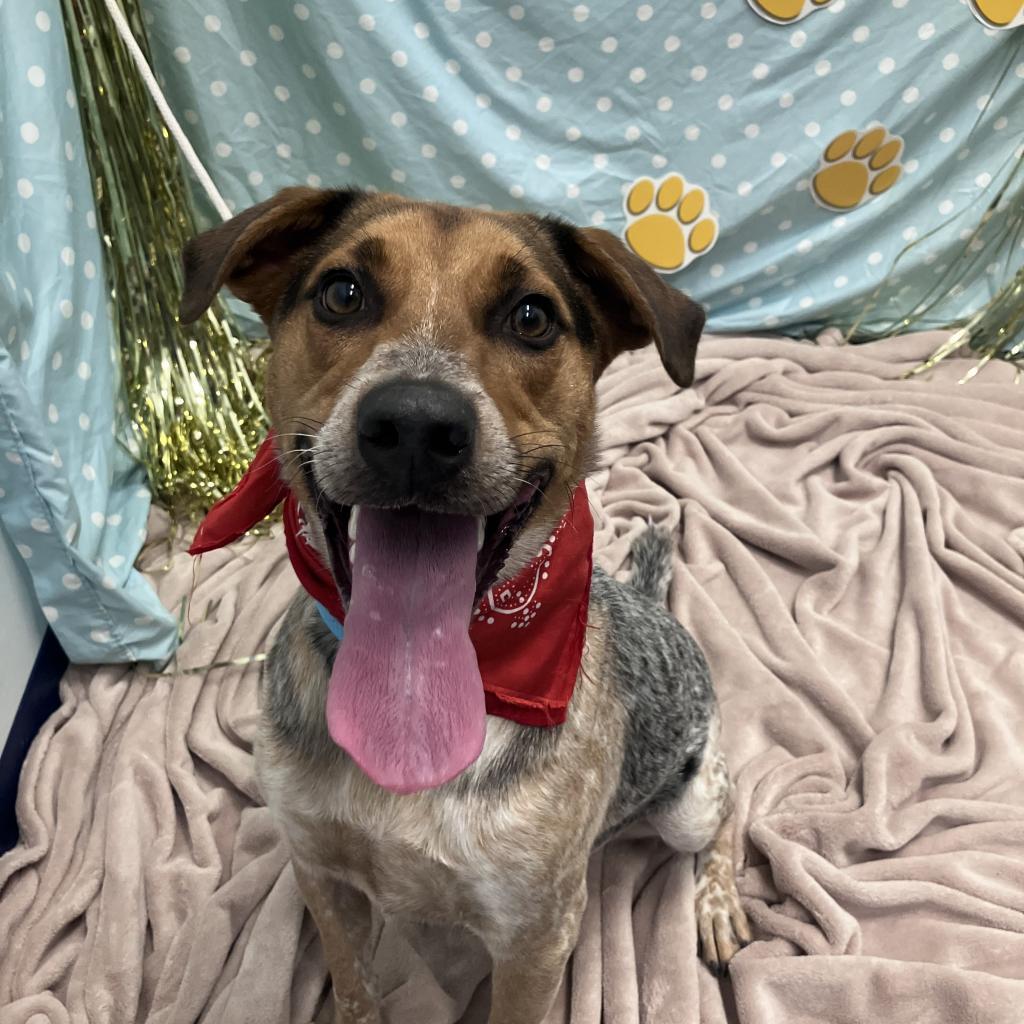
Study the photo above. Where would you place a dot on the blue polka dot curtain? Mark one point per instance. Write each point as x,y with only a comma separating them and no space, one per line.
771,157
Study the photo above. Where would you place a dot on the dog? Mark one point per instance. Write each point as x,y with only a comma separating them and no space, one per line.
431,387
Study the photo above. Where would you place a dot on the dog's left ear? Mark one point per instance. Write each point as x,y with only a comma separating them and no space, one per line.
256,254
637,304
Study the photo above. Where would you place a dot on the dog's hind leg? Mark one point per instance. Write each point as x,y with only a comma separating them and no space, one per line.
698,822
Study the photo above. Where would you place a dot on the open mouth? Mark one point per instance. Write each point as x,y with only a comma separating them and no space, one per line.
496,533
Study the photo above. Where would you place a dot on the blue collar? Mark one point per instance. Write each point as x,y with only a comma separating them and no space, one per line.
330,621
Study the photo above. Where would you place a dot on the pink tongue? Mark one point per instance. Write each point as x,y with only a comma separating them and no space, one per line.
405,699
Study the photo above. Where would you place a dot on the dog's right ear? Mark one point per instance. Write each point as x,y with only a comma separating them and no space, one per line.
256,254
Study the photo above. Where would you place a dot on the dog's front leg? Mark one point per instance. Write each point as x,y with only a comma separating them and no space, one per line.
528,970
342,916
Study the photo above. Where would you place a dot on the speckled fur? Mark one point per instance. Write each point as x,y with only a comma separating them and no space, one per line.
498,850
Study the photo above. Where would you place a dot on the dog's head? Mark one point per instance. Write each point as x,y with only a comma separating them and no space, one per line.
433,358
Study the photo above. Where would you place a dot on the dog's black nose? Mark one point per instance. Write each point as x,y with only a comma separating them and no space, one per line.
417,434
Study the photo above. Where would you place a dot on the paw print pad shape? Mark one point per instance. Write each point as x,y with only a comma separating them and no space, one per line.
785,12
668,222
856,166
998,14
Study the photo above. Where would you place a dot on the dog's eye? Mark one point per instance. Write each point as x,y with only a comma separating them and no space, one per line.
341,295
533,321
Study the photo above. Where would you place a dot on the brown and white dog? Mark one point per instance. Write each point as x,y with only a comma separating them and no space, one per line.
431,389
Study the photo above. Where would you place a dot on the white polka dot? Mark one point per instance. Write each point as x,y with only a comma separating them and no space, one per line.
460,127
708,11
29,133
428,151
483,40
39,525
963,154
36,76
597,218
116,561
911,94
946,207
86,320
806,302
581,12
600,161
100,636
841,281
69,151
786,100
543,161
637,75
313,180
457,181
822,68
716,270
572,191
604,104
25,188
672,43
659,161
572,133
785,225
760,71
488,160
281,93
951,61
13,457
744,188
211,23
926,31
734,41
543,104
247,57
664,103
982,101
750,248
453,6
222,149
182,55
421,30
84,421
886,65
692,132
718,161
875,258
50,613
398,119
516,191
367,22
255,178
725,102
276,33
66,309
335,50
900,3
218,88
983,180
399,58
805,245
25,551
430,93
575,74
909,234
698,73
251,119
632,133
999,124
861,34
812,129
947,135
847,97
609,44
513,74
192,117
910,166
43,21
97,519
644,12
516,12
798,38
301,11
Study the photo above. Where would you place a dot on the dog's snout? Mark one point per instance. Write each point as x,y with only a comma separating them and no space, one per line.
416,434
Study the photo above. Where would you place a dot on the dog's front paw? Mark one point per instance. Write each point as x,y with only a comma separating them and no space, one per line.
722,926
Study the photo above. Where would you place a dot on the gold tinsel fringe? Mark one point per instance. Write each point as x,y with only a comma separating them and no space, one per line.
193,393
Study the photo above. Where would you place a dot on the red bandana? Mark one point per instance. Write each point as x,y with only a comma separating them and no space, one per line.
528,631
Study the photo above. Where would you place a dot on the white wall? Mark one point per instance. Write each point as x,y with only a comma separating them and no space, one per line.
22,630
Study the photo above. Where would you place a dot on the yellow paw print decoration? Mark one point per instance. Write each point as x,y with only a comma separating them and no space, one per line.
857,166
998,14
785,12
668,222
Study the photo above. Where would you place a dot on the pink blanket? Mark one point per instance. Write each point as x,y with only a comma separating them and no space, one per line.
851,550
